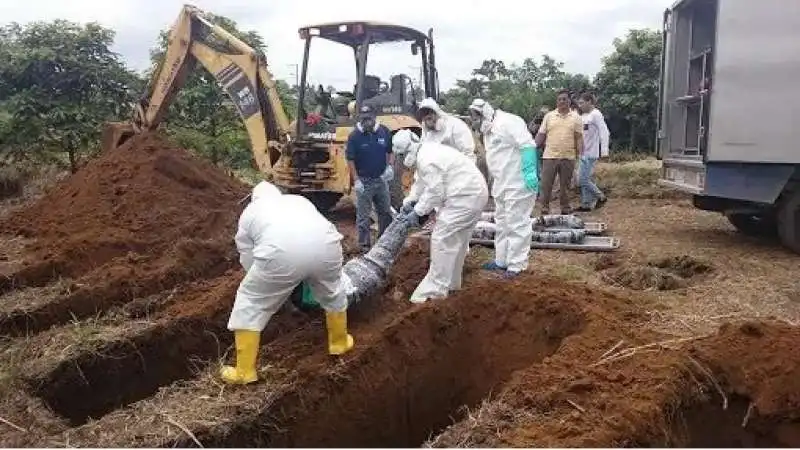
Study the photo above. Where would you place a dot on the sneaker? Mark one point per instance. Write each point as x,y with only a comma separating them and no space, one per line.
492,266
600,202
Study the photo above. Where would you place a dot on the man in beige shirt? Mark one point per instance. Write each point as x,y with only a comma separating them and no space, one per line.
562,131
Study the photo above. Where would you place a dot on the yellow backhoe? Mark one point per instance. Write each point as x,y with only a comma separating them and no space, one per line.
307,156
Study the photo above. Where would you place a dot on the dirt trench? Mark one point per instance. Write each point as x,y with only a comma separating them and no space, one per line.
140,242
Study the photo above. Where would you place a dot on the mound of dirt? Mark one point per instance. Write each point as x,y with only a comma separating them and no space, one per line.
140,199
665,274
683,266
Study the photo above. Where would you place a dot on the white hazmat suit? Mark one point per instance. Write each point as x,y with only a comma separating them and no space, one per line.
449,130
505,136
450,182
282,241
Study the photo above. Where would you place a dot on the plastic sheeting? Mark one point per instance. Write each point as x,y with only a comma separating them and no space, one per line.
486,230
366,275
550,220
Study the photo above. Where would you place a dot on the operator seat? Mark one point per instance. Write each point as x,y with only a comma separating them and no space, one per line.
396,95
372,86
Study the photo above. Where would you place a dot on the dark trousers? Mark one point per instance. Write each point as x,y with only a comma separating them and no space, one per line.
563,168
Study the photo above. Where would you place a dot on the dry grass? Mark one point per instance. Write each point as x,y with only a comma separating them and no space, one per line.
33,183
481,426
635,179
11,182
28,299
750,279
12,253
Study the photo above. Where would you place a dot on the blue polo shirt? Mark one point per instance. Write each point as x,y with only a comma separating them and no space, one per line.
368,151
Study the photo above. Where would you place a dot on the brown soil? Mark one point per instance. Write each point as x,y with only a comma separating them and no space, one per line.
124,350
141,219
139,199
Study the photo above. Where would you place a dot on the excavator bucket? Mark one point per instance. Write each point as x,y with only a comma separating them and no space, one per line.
115,134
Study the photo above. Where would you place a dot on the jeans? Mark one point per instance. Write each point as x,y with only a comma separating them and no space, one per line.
375,191
589,190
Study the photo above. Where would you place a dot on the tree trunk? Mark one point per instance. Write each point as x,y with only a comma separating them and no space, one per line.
73,159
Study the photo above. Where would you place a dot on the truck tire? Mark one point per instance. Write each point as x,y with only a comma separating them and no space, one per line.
789,220
754,225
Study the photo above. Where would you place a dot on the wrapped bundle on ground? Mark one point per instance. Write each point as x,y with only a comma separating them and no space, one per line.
486,231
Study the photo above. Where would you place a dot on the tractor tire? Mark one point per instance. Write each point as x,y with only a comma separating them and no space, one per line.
789,220
754,225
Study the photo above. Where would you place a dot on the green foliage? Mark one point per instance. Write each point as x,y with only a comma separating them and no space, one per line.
521,89
628,88
59,82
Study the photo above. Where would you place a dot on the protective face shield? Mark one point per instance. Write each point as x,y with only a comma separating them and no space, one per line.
405,142
482,114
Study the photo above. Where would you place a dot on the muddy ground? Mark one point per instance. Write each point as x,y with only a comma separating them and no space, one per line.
117,284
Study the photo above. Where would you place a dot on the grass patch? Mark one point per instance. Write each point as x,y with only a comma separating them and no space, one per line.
635,179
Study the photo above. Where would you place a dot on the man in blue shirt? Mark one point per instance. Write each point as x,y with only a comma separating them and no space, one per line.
370,159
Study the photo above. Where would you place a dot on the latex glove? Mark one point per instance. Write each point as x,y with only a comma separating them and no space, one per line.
412,218
388,174
359,186
408,207
530,162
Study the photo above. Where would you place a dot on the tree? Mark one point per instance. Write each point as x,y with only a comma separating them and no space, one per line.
517,88
627,87
59,81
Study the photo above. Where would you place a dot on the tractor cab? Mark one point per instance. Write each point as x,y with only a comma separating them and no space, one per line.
330,113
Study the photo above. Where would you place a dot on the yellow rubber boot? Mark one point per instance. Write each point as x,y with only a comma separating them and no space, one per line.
246,354
339,341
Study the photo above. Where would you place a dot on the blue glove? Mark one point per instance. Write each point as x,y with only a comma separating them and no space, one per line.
530,163
412,218
388,174
359,186
408,207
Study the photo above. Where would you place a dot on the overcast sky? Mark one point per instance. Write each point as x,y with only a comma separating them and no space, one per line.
577,32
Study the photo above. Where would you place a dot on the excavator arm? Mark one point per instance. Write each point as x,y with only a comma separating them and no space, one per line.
239,69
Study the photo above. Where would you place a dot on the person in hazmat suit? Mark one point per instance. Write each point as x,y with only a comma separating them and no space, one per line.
443,128
512,159
282,241
450,182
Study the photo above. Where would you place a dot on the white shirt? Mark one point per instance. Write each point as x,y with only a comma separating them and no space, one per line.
595,134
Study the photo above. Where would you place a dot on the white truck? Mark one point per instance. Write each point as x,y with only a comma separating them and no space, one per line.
729,111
